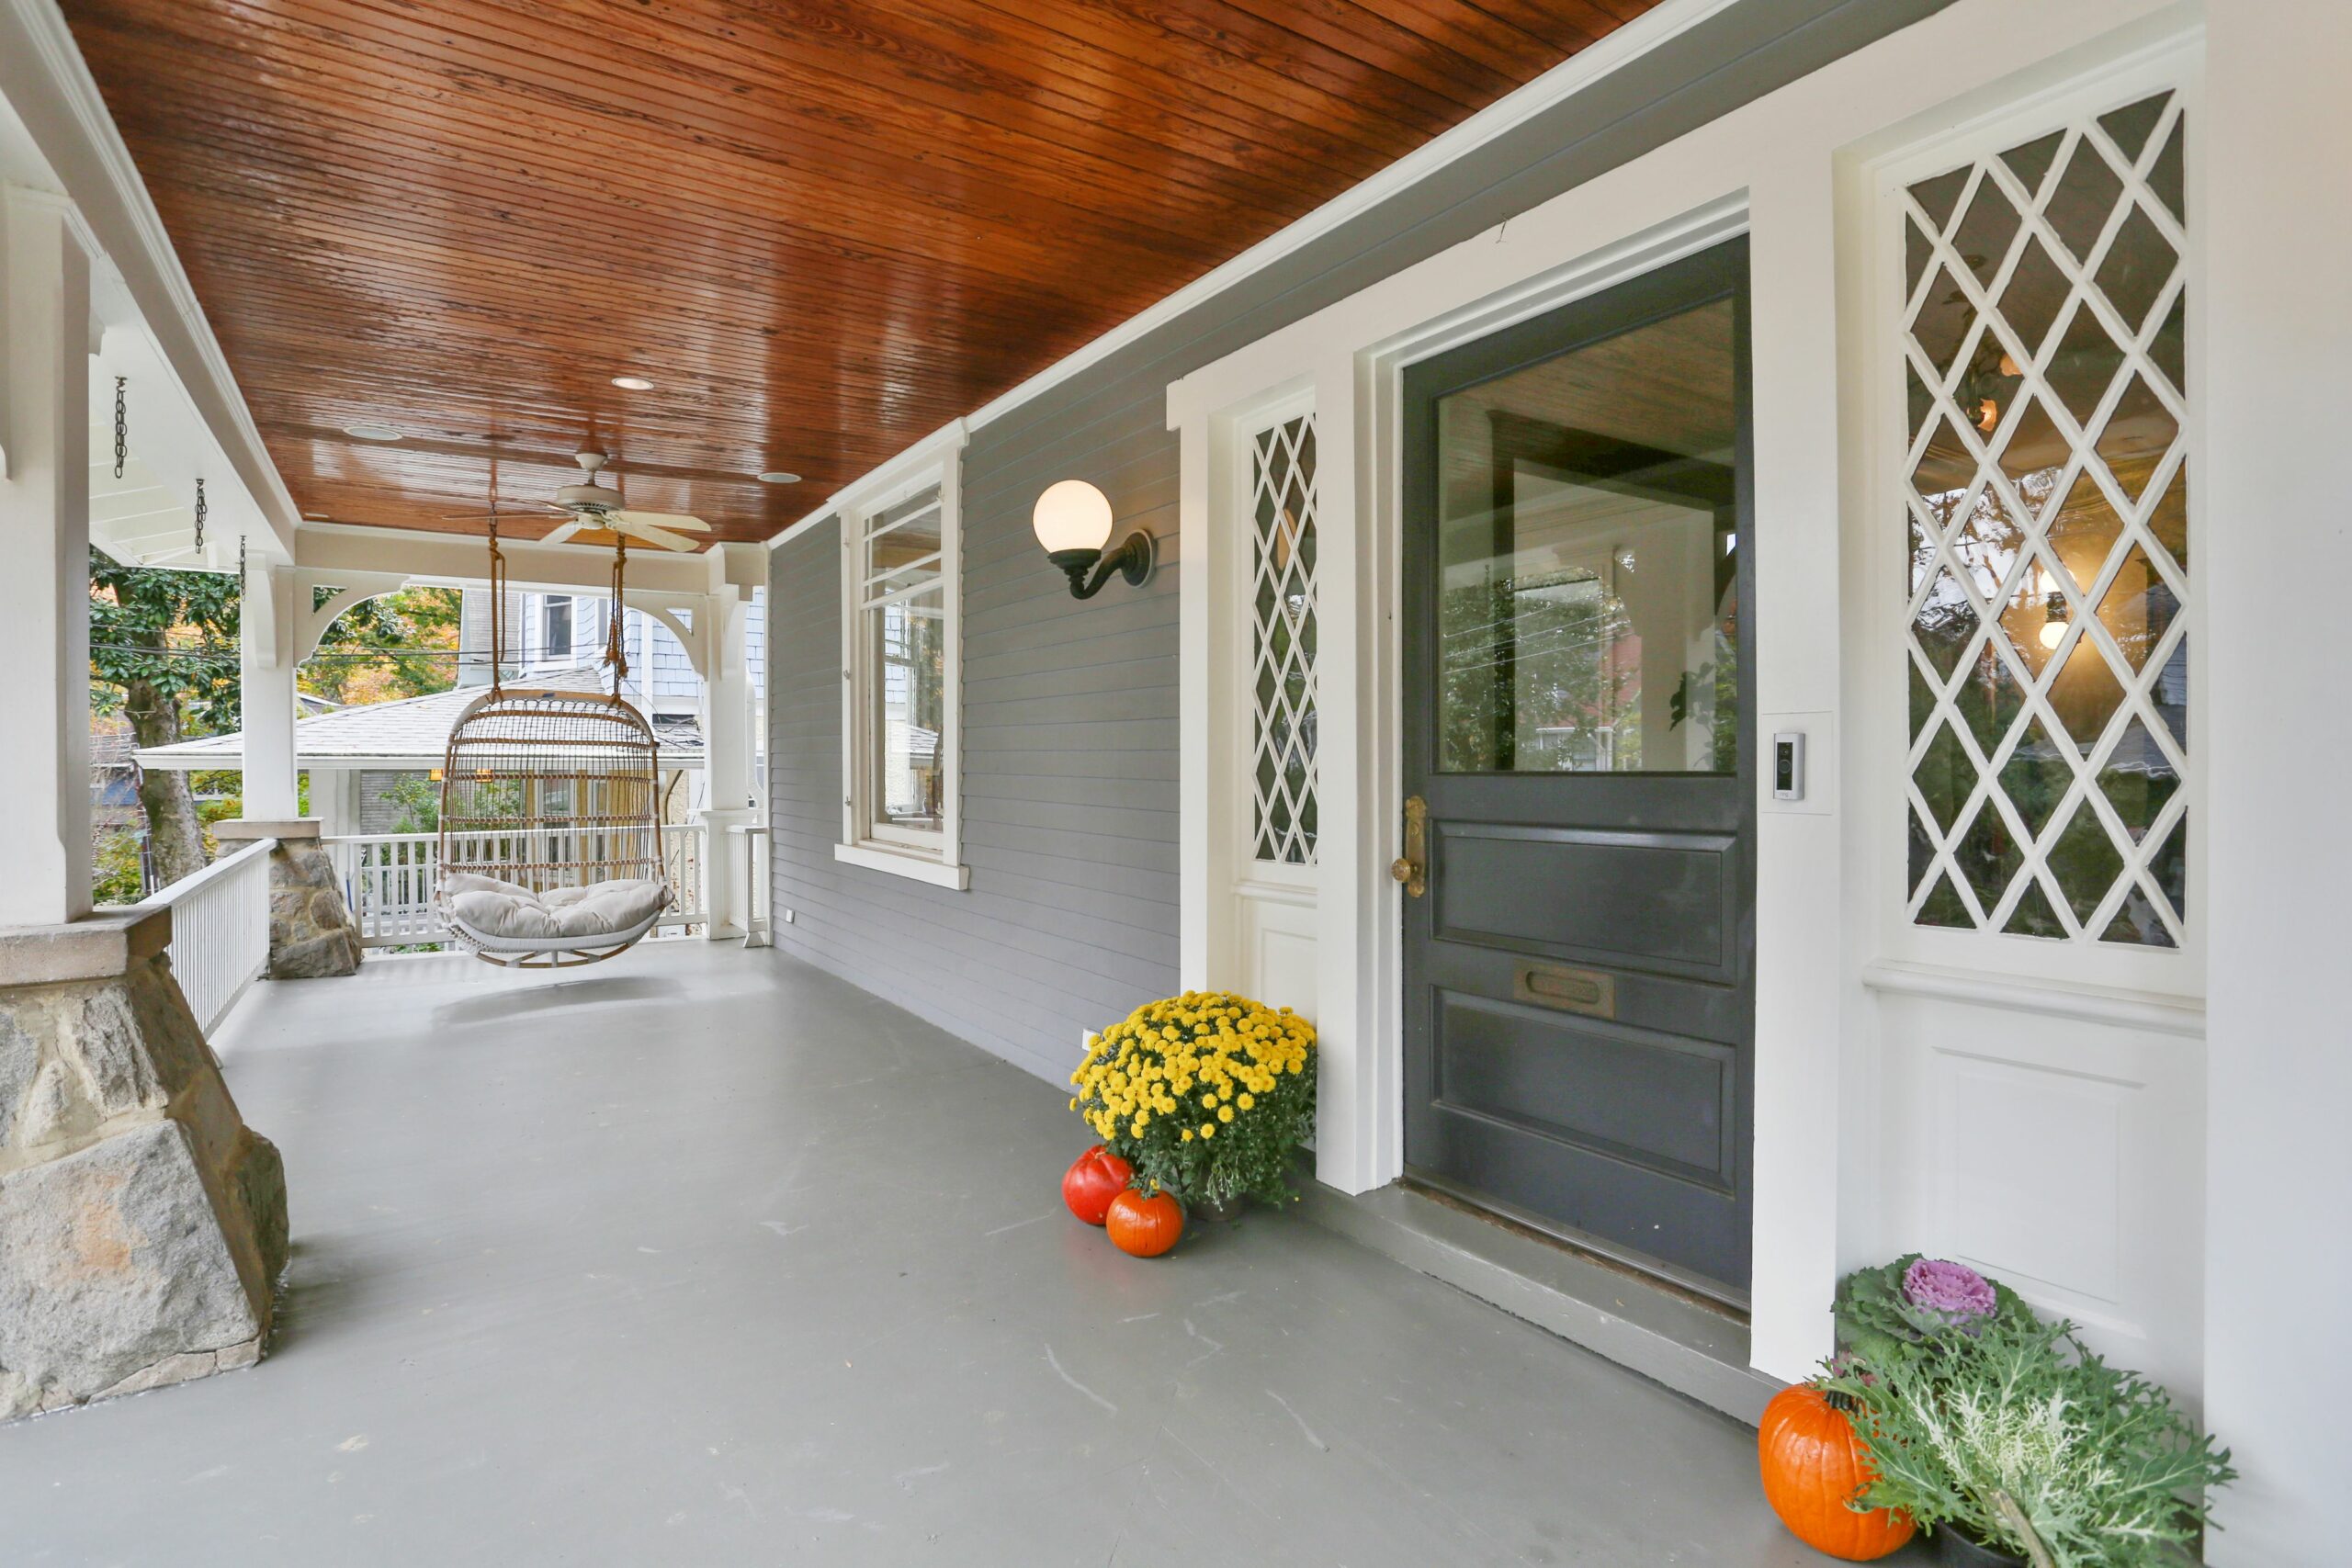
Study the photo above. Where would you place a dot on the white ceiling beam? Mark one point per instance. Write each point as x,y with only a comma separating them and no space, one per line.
325,548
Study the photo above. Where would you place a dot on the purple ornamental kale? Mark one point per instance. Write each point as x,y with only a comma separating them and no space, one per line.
1951,1291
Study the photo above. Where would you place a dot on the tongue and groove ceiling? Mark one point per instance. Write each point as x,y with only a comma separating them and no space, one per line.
821,229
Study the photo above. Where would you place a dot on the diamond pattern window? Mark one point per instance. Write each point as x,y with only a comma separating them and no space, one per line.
1282,641
2047,531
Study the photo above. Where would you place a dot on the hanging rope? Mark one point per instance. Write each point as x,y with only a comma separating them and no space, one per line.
122,427
497,595
615,643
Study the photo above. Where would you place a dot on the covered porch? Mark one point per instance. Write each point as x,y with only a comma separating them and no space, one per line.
708,1257
1727,602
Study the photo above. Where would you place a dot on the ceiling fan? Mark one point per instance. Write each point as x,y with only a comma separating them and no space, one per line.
591,506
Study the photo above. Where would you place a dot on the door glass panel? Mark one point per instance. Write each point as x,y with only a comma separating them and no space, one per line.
1588,597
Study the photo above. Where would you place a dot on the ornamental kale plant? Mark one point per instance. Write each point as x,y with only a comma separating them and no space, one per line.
2012,1431
1885,1315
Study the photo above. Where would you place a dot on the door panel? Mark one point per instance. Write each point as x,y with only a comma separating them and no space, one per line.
1659,1101
1579,719
1650,900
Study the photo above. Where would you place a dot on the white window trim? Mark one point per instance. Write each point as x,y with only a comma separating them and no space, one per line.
2161,976
935,859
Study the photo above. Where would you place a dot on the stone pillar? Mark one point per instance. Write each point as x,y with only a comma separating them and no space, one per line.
142,1224
312,933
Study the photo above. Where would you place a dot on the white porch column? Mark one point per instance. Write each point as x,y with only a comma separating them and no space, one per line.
720,621
44,559
267,621
2276,557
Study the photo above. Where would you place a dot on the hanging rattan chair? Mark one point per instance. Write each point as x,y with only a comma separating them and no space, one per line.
550,842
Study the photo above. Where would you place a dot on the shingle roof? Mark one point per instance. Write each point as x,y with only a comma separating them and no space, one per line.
410,733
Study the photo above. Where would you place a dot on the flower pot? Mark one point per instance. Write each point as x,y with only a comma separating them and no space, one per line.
1955,1550
1216,1210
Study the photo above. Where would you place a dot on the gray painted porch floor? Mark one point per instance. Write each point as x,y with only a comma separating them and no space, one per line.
701,1257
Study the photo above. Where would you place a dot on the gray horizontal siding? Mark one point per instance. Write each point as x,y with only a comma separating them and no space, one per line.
1069,710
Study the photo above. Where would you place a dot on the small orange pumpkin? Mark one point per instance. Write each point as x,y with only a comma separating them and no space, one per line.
1812,1466
1144,1224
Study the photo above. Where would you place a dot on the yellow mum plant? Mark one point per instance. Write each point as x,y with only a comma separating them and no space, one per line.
1206,1094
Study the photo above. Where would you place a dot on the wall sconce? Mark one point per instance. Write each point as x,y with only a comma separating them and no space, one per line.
1073,522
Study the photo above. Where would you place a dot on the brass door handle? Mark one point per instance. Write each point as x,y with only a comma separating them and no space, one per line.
1411,868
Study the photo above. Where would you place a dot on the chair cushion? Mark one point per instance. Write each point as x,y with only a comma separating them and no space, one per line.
471,882
503,909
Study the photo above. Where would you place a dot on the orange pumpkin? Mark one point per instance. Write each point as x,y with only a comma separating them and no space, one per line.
1813,1464
1144,1225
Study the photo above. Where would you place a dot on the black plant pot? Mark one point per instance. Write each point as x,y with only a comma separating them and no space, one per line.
1217,1211
1954,1549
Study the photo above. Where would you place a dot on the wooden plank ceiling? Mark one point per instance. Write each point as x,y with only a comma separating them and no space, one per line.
821,228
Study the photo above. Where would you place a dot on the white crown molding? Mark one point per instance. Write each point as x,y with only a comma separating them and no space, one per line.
924,454
1628,42
90,158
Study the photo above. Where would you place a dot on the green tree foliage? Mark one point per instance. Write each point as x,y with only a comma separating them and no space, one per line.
1517,656
381,649
420,803
114,874
164,652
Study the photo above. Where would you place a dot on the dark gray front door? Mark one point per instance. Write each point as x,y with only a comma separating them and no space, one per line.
1580,721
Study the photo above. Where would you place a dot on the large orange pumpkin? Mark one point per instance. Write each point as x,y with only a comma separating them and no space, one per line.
1813,1464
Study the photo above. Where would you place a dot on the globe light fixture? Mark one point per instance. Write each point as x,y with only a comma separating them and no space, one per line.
2055,614
1073,522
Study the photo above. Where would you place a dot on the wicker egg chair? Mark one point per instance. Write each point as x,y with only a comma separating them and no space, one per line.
550,839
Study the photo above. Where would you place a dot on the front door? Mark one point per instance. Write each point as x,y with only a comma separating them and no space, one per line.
1578,701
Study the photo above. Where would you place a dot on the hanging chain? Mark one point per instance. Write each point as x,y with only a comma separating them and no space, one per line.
241,566
121,426
200,511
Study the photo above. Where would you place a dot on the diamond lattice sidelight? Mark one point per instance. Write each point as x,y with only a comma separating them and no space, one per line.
1282,641
2047,535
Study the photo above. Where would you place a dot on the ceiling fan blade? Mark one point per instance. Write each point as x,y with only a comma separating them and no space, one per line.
678,520
563,531
652,536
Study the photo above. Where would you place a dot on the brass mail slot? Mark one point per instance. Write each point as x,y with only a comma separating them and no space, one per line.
1572,990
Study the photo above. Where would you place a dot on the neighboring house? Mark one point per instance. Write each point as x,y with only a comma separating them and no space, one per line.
552,634
114,778
356,755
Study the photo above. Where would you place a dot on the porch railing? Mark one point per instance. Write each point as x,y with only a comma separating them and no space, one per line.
220,930
388,880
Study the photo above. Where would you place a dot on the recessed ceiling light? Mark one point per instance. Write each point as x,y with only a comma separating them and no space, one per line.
778,476
372,431
632,383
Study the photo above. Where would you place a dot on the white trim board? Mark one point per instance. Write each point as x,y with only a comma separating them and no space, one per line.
1626,43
